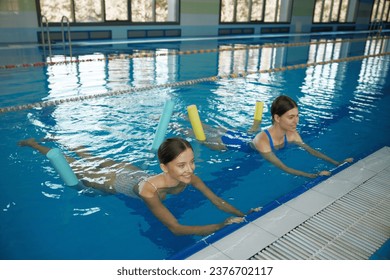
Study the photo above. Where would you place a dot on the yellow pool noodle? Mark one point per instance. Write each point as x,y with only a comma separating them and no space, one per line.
259,110
196,123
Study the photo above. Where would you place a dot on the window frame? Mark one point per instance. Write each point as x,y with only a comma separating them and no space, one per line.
339,13
108,22
289,15
377,11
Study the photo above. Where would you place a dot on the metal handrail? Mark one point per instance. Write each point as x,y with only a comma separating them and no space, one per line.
63,35
376,26
44,19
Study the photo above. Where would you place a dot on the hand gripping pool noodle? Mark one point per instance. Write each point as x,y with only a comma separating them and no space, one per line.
196,123
259,110
163,124
62,167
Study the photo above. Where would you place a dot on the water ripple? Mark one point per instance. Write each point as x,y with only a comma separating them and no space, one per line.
86,211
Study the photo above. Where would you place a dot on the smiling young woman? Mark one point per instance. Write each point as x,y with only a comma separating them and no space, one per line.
177,163
176,159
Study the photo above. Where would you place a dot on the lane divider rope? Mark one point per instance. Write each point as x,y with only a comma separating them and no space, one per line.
188,52
44,104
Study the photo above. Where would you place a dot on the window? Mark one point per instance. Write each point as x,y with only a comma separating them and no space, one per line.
381,11
54,10
116,10
234,11
91,11
153,10
88,11
340,11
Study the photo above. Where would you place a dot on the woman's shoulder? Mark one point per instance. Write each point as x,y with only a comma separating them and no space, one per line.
293,136
148,187
261,135
261,142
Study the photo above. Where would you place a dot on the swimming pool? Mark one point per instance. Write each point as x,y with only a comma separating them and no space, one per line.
111,100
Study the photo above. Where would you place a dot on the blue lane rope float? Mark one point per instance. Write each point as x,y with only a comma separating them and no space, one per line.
62,167
163,124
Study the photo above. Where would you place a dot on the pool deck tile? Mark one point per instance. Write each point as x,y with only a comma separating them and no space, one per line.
310,202
209,253
248,239
281,220
335,187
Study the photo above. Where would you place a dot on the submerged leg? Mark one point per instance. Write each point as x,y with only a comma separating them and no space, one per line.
31,142
103,162
98,180
100,177
213,137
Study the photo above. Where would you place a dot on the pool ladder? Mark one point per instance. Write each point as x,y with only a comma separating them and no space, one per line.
64,18
376,27
45,28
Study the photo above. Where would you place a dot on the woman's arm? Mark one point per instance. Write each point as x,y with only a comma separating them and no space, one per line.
320,155
262,145
166,217
217,201
271,157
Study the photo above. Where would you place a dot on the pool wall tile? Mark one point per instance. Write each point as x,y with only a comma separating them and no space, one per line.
197,247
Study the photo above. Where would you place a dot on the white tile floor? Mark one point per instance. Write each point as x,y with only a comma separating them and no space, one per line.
253,237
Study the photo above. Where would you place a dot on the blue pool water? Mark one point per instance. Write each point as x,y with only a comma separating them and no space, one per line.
343,112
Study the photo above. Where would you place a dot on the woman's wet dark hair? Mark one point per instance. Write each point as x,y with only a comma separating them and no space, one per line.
281,105
171,148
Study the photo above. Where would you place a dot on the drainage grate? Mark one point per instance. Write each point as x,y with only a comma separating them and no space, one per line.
353,227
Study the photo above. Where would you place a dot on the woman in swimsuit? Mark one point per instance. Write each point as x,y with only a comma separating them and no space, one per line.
284,112
177,163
